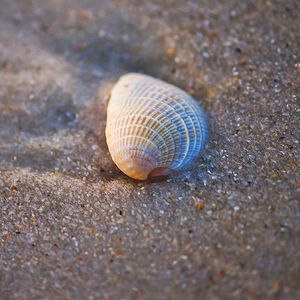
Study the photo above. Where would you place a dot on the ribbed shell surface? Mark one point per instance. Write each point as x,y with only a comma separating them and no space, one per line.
152,125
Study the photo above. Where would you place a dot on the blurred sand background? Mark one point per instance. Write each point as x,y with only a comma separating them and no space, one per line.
72,226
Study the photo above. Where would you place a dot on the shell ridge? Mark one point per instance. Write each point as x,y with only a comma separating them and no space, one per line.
155,132
150,118
153,126
131,145
162,123
178,125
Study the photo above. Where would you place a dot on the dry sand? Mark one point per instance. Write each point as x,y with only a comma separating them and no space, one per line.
72,226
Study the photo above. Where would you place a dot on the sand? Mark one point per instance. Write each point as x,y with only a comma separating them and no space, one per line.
72,226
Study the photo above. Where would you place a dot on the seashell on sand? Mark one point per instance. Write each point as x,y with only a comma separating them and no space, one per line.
152,127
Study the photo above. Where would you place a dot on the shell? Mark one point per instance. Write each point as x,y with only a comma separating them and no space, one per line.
152,127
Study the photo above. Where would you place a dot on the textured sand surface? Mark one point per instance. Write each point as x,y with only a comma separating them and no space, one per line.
72,226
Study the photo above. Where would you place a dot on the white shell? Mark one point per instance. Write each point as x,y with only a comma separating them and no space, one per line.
152,127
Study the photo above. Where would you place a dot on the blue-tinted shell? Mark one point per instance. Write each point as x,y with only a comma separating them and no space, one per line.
152,127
